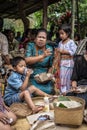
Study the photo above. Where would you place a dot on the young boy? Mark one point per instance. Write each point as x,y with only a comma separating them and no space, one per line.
17,89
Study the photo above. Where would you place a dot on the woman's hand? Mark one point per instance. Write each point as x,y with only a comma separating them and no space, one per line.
60,50
47,52
74,85
3,118
7,108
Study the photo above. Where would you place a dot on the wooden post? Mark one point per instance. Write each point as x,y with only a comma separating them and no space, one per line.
45,4
22,12
73,17
78,24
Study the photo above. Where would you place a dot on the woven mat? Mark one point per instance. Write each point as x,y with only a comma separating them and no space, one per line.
60,127
21,124
85,116
20,109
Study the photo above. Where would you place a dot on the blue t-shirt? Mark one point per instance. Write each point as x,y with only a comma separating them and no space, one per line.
14,83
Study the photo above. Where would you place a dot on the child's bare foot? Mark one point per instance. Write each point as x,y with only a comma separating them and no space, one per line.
37,109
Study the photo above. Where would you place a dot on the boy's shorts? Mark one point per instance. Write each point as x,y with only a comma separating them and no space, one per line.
13,99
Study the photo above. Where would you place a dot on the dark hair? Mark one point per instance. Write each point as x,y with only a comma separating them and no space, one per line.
77,35
66,28
34,31
10,31
15,61
27,31
41,30
1,23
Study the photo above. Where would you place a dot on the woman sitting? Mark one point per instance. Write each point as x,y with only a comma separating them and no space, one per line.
79,76
39,57
7,118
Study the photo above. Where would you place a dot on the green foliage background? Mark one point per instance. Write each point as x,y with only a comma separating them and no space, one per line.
55,11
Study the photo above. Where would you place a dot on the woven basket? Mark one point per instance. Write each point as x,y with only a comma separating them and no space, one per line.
38,100
70,116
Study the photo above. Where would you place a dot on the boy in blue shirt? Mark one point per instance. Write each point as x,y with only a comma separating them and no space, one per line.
17,89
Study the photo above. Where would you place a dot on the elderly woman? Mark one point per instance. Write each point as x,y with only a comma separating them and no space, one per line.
39,57
79,76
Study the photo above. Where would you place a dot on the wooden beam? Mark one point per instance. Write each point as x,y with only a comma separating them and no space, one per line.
9,9
45,4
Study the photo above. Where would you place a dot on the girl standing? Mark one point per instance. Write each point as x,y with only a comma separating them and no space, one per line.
67,49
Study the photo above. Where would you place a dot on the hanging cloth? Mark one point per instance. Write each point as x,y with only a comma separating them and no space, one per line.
56,68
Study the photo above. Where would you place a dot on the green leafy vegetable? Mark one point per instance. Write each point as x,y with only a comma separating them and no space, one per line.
62,105
63,98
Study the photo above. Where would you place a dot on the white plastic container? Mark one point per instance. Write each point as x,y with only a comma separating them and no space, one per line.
46,104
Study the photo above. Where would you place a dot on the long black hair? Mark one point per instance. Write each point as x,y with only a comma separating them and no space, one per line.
66,28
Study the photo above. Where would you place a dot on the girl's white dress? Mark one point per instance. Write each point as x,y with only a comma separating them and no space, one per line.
66,65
